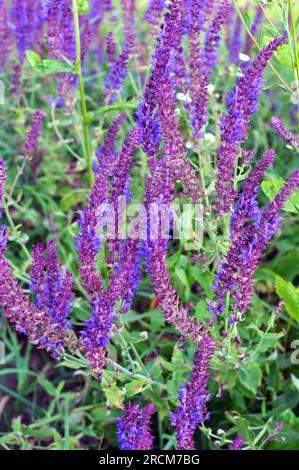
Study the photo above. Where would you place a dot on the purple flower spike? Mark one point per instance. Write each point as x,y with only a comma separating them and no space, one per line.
111,48
33,134
244,220
237,444
241,105
134,428
153,14
283,133
236,41
2,181
167,298
107,151
27,20
27,318
168,43
265,229
53,292
97,332
193,398
254,29
3,238
5,34
202,65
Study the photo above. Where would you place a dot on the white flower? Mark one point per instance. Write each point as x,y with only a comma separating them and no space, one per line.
188,145
209,137
182,97
210,88
244,57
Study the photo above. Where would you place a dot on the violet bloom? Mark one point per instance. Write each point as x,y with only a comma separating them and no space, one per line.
89,240
193,397
119,70
98,10
209,8
2,181
5,34
26,17
107,150
244,220
266,228
166,295
134,428
174,150
111,182
153,15
3,237
283,133
111,48
159,190
28,319
53,291
120,67
254,29
237,444
53,32
154,124
241,105
202,66
128,8
106,306
33,134
169,41
236,41
197,90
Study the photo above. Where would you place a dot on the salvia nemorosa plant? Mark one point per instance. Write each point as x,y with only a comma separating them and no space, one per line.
186,52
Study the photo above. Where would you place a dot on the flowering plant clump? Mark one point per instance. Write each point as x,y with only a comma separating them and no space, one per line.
149,203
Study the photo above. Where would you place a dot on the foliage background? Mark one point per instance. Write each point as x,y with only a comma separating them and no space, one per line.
253,385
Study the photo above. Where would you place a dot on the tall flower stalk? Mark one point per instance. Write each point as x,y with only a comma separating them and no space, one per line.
241,104
84,113
193,397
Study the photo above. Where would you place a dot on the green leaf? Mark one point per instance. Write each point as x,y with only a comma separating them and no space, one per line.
83,7
52,66
271,189
33,58
135,387
250,376
113,394
49,387
48,66
287,291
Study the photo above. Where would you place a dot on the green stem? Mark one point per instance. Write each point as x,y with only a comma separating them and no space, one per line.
85,117
294,33
286,86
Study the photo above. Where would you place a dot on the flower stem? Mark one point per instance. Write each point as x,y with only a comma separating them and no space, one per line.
85,117
286,86
294,33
